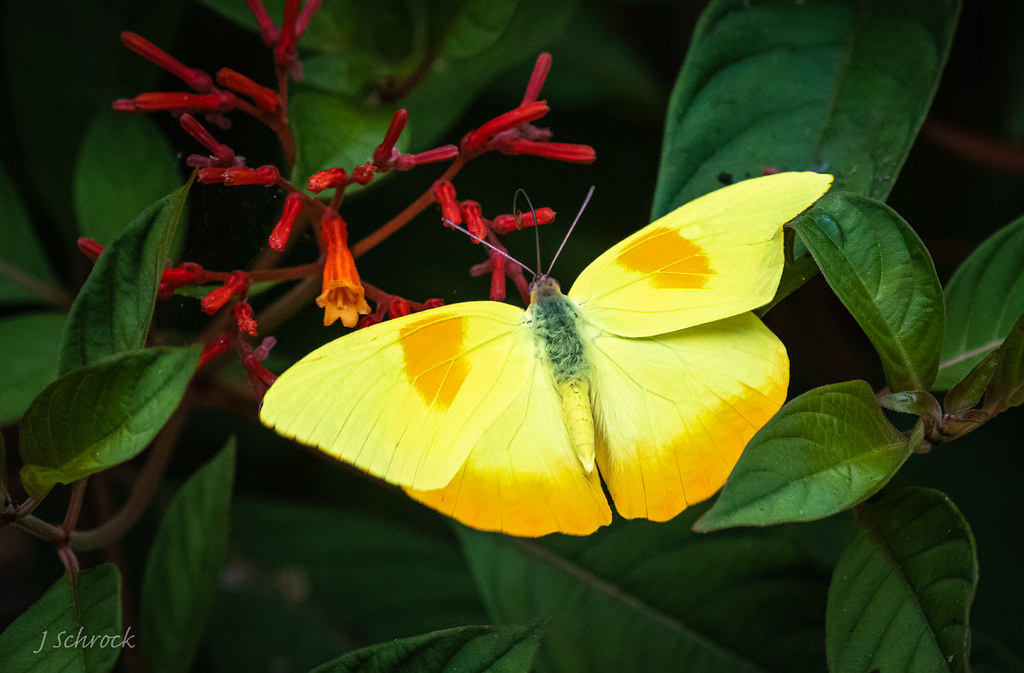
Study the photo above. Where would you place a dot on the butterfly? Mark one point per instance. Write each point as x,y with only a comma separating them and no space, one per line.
651,374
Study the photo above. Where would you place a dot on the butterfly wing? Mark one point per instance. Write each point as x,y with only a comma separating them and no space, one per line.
712,258
523,477
406,400
453,404
674,411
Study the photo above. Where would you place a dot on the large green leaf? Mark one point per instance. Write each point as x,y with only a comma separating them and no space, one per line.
115,305
25,272
98,416
1007,386
334,578
841,85
31,342
883,274
60,633
825,451
124,165
901,592
983,299
642,596
184,565
471,648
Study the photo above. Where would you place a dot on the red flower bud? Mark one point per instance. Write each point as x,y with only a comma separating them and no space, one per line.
265,99
268,31
363,174
433,303
237,283
474,221
540,73
398,307
242,314
497,276
196,79
292,208
90,248
222,154
407,161
476,141
581,154
385,154
219,346
504,224
332,177
444,194
172,100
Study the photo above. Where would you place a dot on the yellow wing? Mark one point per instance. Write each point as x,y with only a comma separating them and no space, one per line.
712,258
674,411
524,478
453,404
407,400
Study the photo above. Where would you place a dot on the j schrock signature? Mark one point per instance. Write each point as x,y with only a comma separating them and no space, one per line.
70,640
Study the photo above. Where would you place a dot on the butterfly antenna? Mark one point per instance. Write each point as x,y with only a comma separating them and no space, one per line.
518,215
480,240
568,233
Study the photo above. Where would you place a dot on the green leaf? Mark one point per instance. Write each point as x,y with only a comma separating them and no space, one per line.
98,416
115,305
1007,387
901,592
124,165
983,300
25,272
968,392
31,343
470,648
184,565
331,132
644,596
842,86
883,274
917,402
823,452
59,633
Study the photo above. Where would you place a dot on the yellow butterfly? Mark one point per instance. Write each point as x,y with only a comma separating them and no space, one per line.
651,372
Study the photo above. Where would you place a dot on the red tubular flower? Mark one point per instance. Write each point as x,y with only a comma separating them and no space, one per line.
363,174
90,248
268,31
497,276
260,378
221,154
407,161
242,314
240,175
221,343
444,194
386,153
504,224
343,294
398,307
540,73
432,303
188,273
237,283
292,208
196,79
332,177
580,154
476,141
265,99
308,10
171,100
284,50
474,221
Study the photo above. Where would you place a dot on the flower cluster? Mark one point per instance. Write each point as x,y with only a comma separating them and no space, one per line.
316,206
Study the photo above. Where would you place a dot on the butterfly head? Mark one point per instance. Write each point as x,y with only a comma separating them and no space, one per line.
543,286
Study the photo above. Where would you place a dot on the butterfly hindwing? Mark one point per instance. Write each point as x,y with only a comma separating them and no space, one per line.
523,477
712,258
674,411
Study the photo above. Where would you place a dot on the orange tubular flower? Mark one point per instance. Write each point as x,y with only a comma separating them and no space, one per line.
342,295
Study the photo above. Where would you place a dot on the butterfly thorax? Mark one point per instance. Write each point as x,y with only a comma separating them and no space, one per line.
555,321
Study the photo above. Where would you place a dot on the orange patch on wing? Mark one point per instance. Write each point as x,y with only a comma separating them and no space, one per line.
430,350
671,261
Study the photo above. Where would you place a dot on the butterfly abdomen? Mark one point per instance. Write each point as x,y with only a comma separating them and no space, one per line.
556,324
